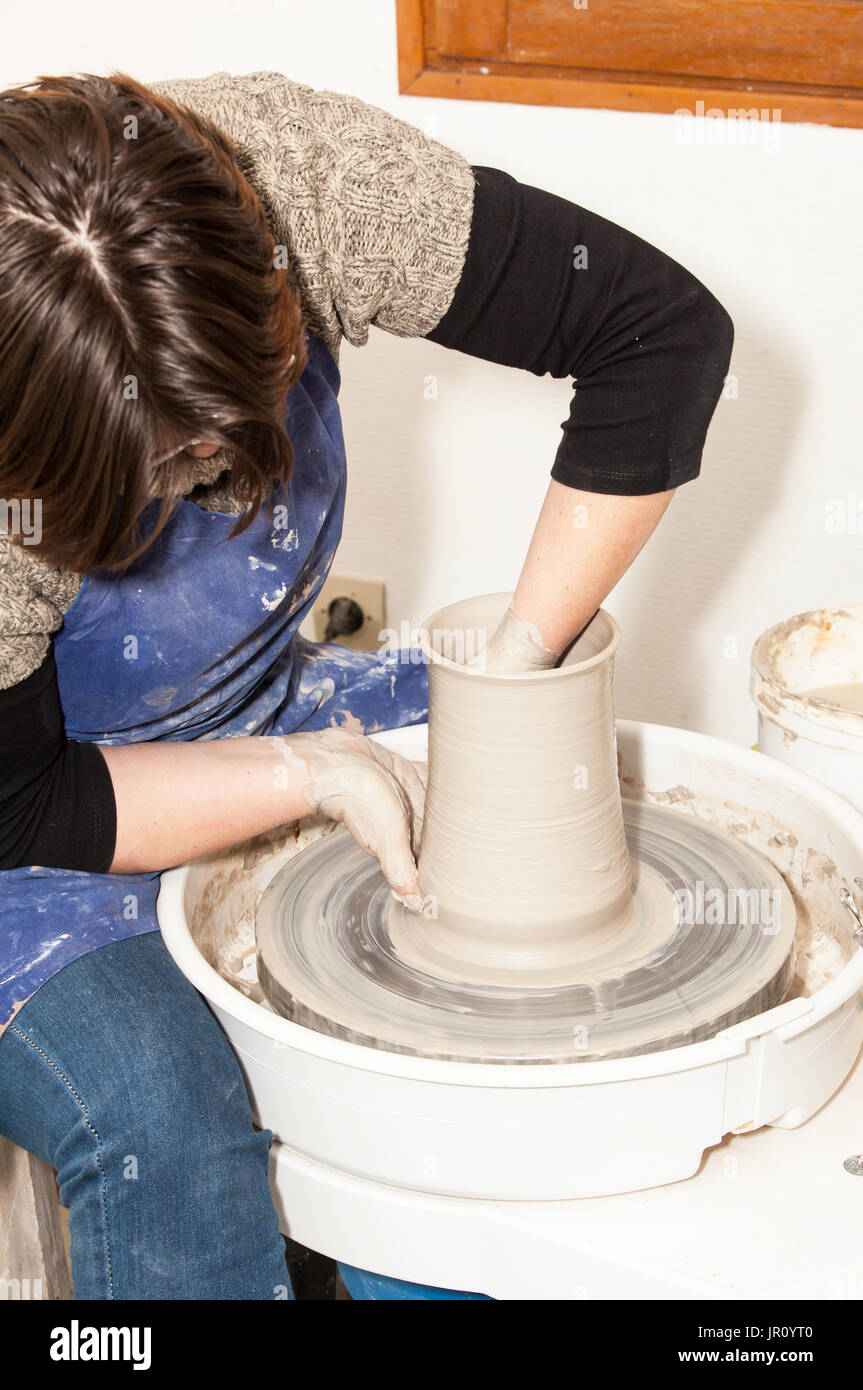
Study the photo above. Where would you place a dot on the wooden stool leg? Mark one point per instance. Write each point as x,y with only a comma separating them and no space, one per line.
31,1227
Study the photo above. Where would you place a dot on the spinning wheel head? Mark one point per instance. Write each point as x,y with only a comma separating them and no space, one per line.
707,941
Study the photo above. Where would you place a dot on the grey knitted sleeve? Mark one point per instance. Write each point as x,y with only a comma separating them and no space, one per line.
33,599
374,215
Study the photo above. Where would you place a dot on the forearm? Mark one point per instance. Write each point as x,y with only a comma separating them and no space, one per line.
582,544
551,287
176,801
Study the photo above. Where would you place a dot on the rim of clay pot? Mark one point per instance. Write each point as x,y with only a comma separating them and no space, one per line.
435,623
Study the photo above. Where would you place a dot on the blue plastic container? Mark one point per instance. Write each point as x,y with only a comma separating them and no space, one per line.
361,1284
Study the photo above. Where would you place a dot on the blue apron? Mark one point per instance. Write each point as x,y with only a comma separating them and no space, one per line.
199,640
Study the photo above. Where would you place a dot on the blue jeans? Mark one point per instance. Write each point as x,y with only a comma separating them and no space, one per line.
117,1073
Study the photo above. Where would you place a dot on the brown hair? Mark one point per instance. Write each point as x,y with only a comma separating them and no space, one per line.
140,307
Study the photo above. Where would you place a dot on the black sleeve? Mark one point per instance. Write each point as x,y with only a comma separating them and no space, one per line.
551,287
57,805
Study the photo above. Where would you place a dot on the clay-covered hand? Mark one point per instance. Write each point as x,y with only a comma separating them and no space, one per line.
513,648
378,795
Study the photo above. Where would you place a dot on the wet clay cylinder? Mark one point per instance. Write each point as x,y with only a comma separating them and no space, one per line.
524,857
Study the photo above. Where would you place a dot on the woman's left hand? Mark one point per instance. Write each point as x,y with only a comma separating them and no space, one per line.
377,794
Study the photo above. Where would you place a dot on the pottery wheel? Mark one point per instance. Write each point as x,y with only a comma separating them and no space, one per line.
336,953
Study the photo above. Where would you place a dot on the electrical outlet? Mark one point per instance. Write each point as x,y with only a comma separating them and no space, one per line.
368,594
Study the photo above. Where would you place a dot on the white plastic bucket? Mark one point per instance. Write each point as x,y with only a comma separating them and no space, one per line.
791,663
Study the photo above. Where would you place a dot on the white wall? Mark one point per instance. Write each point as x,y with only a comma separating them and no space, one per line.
443,492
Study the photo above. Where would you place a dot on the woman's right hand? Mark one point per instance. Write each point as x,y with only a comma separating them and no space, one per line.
378,795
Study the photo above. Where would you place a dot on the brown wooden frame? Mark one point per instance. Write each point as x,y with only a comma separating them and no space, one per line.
802,58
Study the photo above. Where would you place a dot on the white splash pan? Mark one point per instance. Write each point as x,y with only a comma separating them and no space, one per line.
579,1129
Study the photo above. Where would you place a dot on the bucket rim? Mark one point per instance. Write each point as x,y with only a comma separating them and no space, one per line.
797,711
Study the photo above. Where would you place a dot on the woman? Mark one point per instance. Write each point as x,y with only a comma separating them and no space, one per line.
178,265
